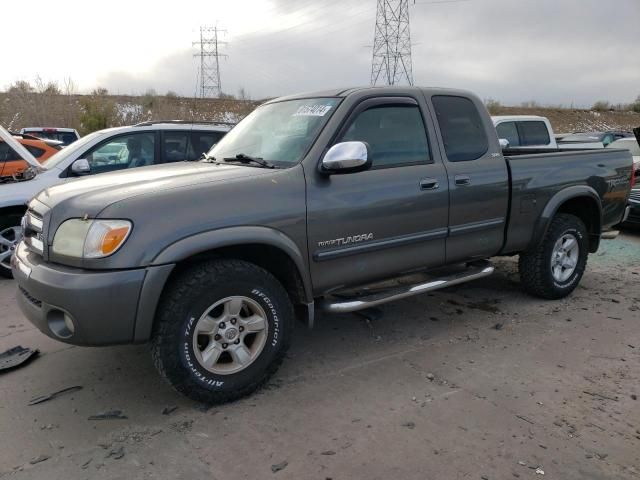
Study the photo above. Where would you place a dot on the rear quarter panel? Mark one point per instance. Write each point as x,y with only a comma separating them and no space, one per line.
538,182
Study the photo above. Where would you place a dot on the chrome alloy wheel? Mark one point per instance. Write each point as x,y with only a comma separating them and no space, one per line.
564,257
230,335
9,238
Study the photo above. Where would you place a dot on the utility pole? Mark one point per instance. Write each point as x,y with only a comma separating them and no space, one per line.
210,85
391,62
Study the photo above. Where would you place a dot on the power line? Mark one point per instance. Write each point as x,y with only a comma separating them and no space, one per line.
210,85
391,61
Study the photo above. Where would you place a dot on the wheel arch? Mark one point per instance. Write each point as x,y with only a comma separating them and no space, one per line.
581,201
263,246
251,243
11,211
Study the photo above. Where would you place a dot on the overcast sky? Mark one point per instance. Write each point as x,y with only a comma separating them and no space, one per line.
551,51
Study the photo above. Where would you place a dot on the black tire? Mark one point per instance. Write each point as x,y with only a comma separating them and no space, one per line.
6,222
187,297
535,267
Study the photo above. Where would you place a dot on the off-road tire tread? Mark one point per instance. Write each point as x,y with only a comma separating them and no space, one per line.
532,264
165,334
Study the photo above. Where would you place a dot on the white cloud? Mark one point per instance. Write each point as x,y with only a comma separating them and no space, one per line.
569,51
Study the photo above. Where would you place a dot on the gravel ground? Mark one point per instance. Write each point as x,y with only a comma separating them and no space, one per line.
479,381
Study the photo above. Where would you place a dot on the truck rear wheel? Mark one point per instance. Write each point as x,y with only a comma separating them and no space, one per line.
222,329
554,268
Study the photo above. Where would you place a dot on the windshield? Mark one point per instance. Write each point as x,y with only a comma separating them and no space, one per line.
627,144
66,152
280,133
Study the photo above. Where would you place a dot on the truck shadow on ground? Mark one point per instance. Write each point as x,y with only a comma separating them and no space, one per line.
335,343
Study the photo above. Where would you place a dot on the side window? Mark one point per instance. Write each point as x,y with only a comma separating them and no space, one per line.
533,133
509,131
174,146
201,142
8,154
126,151
396,135
461,127
35,151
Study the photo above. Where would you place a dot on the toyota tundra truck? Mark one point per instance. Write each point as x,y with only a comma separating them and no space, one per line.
339,200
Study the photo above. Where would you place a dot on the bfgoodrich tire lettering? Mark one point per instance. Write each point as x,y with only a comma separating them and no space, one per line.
178,333
553,269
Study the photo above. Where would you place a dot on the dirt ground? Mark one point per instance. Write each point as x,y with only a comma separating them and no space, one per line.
479,381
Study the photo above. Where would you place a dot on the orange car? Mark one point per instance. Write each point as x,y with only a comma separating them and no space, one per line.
11,163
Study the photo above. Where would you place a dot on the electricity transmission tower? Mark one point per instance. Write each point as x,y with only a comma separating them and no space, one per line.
391,63
210,85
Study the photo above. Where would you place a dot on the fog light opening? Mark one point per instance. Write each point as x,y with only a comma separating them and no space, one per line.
60,323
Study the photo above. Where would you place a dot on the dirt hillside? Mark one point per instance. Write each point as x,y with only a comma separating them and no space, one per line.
90,112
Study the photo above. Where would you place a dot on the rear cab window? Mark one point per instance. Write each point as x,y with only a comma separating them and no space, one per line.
533,133
462,128
524,133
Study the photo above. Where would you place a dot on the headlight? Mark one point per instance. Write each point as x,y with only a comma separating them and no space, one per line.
90,238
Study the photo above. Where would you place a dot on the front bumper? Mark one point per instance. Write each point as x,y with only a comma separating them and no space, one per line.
85,307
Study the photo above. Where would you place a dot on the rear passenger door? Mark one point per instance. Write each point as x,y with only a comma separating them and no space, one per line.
478,178
201,142
175,145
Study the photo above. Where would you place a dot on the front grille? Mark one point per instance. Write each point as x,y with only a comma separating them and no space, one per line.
31,298
32,232
635,195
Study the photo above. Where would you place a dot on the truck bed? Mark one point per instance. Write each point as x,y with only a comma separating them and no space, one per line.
537,177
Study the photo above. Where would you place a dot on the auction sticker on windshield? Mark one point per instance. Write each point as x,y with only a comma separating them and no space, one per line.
312,111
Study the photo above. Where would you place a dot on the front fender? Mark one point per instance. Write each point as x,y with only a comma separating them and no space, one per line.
555,202
234,236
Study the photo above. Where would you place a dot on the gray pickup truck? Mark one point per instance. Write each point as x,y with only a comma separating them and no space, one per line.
340,199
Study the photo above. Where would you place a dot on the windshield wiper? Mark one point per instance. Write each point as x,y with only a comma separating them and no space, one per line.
244,158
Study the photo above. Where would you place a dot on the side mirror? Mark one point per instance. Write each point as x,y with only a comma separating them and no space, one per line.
504,143
347,157
81,167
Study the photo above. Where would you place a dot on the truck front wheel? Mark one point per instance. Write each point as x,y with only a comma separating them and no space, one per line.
554,268
221,330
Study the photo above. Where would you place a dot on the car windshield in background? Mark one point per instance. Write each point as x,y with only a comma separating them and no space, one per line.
280,132
627,144
70,150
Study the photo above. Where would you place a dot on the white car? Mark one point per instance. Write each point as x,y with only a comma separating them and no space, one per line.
65,135
108,150
531,132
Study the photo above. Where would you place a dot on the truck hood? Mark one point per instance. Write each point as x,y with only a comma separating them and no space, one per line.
92,194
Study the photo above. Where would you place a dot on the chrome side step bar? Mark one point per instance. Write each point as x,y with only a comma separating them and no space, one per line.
351,304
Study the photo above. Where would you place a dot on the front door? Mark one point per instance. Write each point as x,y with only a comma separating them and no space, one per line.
389,219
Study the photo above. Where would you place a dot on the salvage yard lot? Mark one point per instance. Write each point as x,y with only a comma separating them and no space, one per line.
477,381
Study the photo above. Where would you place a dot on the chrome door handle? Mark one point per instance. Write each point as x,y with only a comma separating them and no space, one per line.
462,180
429,184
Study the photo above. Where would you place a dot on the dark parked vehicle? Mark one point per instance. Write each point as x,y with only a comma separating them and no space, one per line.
343,199
634,197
